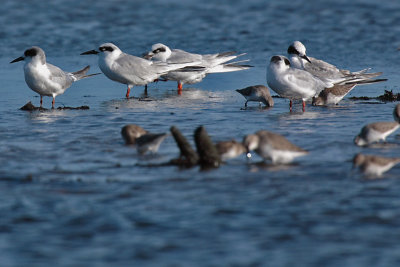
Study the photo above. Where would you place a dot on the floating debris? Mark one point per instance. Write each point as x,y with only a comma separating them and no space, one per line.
388,96
209,157
30,107
73,108
188,157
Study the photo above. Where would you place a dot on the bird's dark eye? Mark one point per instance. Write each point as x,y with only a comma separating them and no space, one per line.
106,48
275,59
292,50
158,50
287,62
30,52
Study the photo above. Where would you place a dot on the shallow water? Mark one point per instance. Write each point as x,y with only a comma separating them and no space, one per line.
73,194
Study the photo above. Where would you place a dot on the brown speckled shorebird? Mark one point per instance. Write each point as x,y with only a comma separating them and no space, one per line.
230,149
257,93
150,142
333,95
272,146
376,131
374,165
131,132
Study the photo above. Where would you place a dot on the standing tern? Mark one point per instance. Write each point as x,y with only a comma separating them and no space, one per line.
324,71
292,83
131,70
45,78
209,63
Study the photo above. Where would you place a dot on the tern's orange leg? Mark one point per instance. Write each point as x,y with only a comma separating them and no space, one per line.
53,102
180,86
290,105
127,92
304,106
41,101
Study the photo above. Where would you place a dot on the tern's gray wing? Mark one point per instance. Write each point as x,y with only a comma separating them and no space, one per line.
127,65
57,75
305,80
323,70
181,56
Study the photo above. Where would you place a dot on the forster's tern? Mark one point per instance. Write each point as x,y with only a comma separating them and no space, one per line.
376,131
332,95
230,149
210,63
130,70
374,165
257,93
272,146
45,78
292,83
131,132
324,71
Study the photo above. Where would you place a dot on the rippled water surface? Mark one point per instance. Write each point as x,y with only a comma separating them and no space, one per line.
71,194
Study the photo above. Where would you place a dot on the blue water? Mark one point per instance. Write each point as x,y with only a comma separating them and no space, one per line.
71,194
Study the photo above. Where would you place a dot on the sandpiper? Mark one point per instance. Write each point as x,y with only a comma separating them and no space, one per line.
149,142
131,132
333,95
272,146
374,165
377,131
257,93
230,149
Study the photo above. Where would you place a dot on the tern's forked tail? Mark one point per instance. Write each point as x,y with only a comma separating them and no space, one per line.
229,67
366,81
81,74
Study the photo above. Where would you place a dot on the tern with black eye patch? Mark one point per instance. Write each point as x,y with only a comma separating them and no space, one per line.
209,63
292,83
131,70
324,71
45,78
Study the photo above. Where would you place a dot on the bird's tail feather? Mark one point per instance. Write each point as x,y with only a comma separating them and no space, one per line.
366,81
228,68
81,74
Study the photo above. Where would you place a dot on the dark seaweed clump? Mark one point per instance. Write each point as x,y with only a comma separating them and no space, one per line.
388,96
30,107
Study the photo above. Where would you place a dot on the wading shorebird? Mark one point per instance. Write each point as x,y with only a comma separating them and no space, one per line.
377,131
374,165
272,146
257,93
